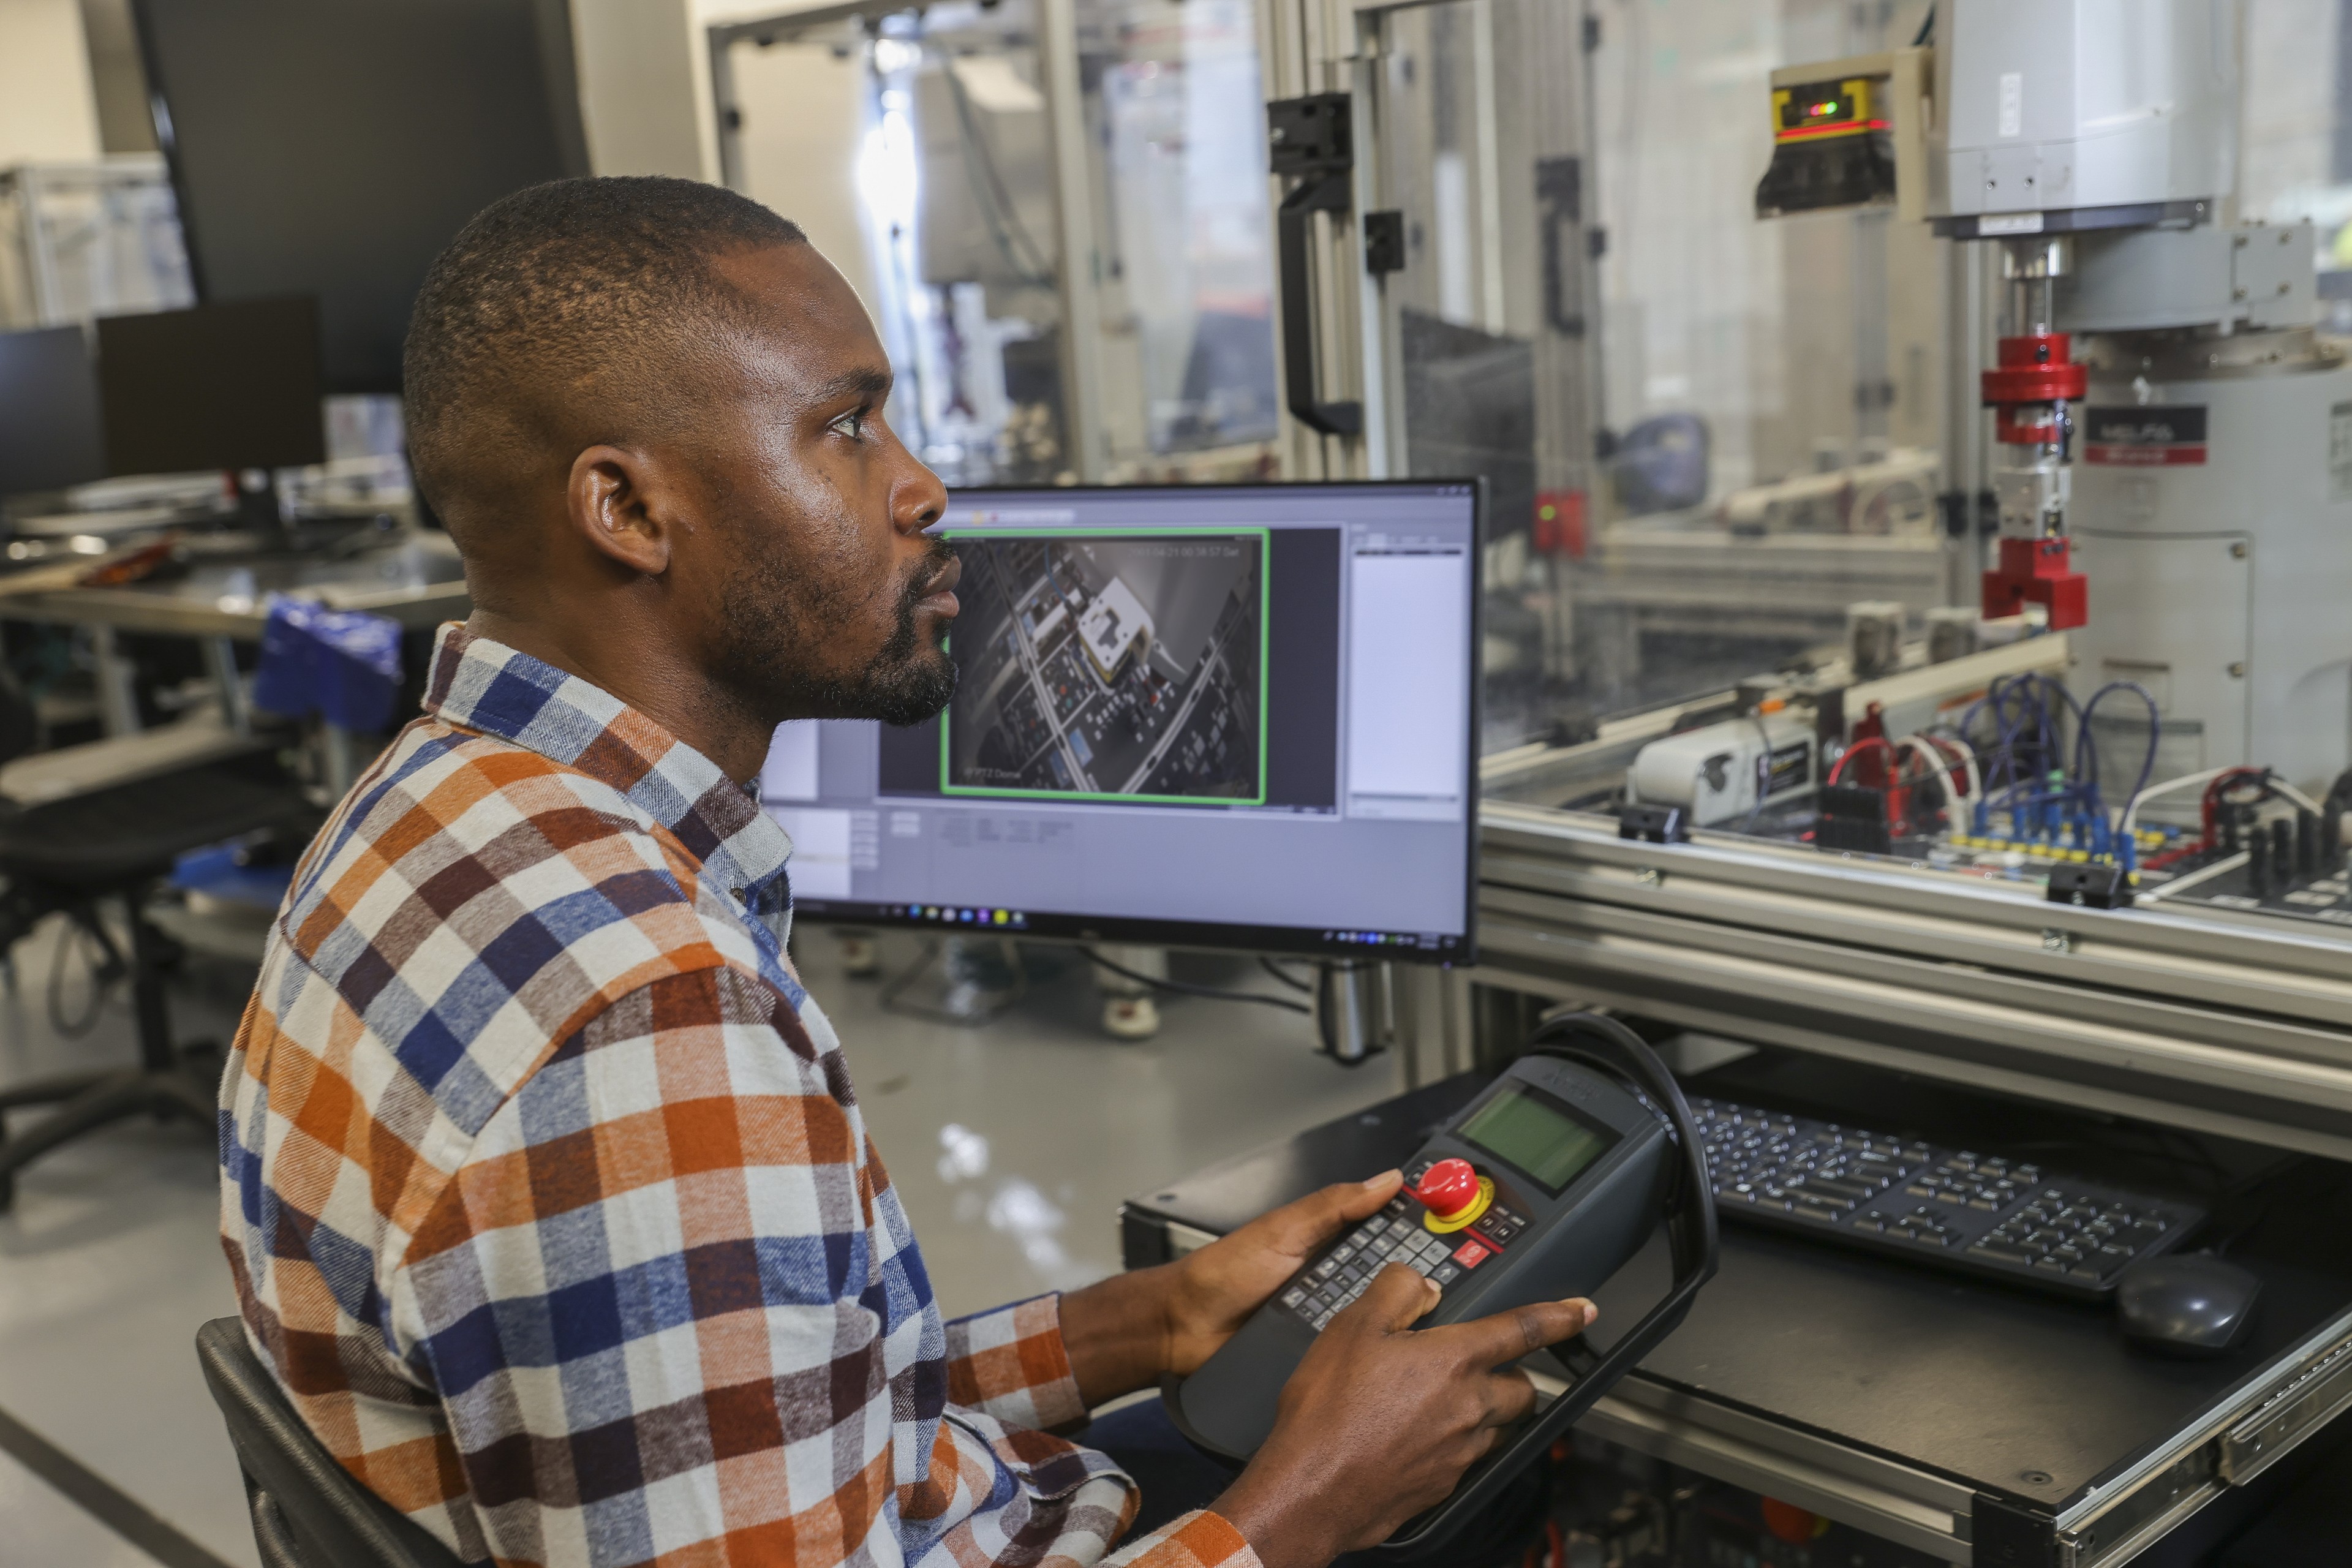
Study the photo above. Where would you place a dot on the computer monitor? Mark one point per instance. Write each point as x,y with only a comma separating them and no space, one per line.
1216,716
219,386
334,147
50,431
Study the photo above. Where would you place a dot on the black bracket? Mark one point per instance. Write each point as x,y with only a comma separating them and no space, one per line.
2092,887
1384,242
1559,187
1312,140
1653,824
2007,1535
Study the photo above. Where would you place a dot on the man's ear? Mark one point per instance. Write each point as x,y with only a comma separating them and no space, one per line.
615,500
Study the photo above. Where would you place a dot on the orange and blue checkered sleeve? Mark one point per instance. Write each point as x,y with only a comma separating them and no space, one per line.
1197,1540
1011,1363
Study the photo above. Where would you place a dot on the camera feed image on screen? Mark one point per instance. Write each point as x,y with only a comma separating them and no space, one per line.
1225,715
1116,666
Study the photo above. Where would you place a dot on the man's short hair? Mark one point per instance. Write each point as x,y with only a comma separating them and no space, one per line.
559,297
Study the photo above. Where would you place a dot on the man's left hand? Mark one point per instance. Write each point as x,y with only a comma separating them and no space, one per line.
1133,1329
1217,1287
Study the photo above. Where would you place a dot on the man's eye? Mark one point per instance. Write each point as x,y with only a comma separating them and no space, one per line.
852,424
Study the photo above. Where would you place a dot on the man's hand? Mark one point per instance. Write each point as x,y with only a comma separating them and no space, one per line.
1379,1421
1217,1287
1132,1328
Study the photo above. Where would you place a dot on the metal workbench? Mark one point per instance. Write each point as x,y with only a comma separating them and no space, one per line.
417,580
2225,1022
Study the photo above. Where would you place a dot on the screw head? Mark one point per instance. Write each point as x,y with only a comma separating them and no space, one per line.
2238,670
2238,550
2034,1477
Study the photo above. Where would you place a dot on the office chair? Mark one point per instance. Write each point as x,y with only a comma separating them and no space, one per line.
71,855
308,1511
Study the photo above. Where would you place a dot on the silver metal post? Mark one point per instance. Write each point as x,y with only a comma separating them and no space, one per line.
1066,120
220,659
340,757
1351,1009
118,695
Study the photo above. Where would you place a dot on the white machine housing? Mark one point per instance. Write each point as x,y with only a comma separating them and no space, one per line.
2214,516
2079,108
1714,772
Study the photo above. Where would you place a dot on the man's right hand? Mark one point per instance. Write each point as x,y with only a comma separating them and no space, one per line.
1379,1421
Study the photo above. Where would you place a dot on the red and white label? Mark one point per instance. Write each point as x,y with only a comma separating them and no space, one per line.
2159,436
1471,1253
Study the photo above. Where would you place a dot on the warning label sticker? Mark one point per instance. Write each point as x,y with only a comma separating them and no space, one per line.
2159,437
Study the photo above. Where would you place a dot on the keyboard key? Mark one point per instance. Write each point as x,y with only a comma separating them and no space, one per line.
2007,1254
1845,1186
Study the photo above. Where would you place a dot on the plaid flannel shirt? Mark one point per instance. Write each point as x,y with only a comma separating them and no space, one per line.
551,1206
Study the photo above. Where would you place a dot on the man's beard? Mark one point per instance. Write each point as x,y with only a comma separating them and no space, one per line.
908,681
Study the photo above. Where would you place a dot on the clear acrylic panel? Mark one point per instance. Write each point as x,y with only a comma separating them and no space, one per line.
916,150
919,151
1704,436
1185,267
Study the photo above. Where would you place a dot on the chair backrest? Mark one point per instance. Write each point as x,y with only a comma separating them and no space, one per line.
325,1518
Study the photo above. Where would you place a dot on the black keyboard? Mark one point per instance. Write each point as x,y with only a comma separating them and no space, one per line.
2005,1219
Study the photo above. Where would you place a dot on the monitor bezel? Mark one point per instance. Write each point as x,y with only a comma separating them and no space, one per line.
1215,936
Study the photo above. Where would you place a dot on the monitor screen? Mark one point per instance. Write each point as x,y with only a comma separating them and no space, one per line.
50,432
220,386
1228,716
332,147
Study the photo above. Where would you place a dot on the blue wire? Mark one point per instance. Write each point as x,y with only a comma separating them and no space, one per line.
2155,730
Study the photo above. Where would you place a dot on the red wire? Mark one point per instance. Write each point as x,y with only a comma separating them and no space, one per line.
2210,806
1893,763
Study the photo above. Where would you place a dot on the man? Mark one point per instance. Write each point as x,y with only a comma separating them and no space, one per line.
545,1187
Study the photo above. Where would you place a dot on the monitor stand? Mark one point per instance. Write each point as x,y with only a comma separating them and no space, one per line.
260,510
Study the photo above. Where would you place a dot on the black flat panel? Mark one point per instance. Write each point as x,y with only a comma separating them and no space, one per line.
1981,1383
220,386
332,147
49,411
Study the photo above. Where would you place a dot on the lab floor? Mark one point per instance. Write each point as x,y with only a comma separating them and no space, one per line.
1012,1143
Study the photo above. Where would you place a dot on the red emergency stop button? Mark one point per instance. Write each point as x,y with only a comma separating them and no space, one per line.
1450,1190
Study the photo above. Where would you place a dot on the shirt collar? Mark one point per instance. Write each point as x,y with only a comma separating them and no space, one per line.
478,684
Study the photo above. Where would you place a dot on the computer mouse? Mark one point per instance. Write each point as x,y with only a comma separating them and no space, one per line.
2193,1305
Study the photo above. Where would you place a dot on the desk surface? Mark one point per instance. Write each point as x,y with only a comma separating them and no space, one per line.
418,582
1998,1390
